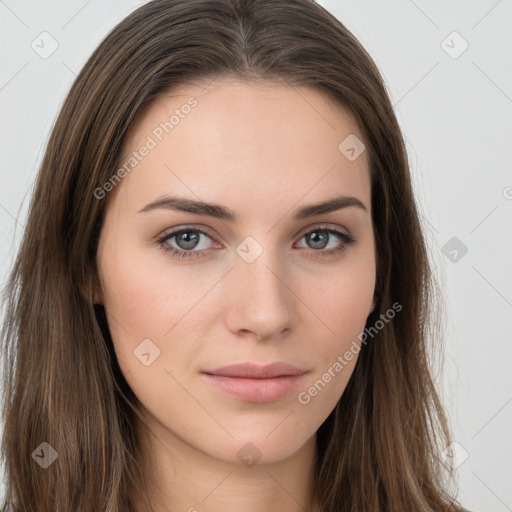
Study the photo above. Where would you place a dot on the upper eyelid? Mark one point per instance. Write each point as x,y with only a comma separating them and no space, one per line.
175,231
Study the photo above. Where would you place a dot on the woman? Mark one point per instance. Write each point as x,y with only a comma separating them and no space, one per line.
222,300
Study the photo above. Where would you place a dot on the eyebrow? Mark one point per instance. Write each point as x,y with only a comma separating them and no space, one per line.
217,211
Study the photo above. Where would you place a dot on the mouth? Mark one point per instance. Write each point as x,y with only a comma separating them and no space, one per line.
255,383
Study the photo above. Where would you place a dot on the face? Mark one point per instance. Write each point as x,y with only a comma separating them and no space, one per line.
187,292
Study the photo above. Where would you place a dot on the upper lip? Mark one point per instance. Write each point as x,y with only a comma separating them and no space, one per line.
255,371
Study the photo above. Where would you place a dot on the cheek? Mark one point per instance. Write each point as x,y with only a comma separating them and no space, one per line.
147,297
341,300
340,305
151,299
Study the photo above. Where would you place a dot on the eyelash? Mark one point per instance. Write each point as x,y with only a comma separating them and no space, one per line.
192,254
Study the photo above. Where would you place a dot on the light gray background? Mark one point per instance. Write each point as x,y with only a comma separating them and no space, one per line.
454,109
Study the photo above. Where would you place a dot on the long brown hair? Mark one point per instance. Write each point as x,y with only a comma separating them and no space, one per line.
379,450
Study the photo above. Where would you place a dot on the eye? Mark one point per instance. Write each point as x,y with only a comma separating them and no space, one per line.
320,237
189,241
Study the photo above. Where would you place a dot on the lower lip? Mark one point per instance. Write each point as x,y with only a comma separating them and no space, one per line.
256,390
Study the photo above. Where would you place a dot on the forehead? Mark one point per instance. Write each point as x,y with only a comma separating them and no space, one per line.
233,141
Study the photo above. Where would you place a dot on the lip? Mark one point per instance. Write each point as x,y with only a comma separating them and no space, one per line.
256,371
256,383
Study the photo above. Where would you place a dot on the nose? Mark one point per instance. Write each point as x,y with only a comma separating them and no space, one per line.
260,300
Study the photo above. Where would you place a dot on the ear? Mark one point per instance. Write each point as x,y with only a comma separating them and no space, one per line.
374,302
97,297
96,292
92,291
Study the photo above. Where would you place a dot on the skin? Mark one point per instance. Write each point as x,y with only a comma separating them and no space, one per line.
263,150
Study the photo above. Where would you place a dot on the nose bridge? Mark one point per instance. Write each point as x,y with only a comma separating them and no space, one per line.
261,298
